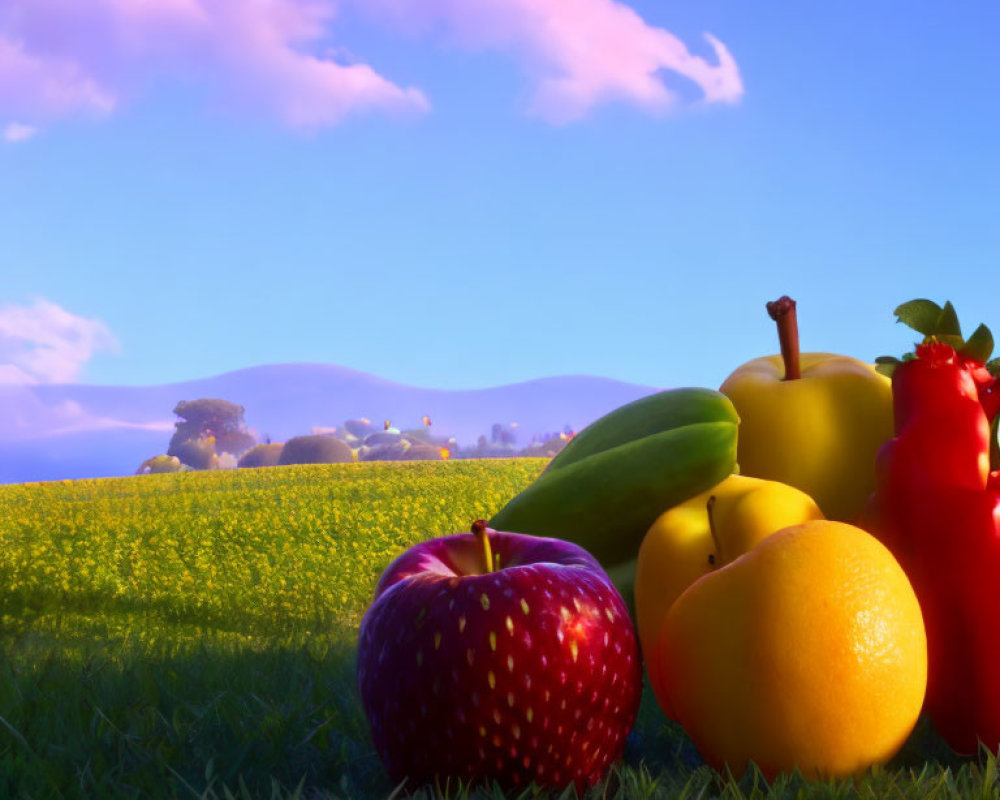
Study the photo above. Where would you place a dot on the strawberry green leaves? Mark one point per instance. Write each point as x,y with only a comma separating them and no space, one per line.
930,319
940,324
979,346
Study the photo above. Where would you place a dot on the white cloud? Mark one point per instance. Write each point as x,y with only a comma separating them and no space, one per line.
44,343
18,132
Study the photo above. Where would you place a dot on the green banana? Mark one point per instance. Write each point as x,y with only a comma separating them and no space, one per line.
657,412
606,501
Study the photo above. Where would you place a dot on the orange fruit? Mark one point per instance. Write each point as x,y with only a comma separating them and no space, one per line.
682,544
807,651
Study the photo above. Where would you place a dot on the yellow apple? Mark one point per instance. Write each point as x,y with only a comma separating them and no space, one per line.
814,420
680,547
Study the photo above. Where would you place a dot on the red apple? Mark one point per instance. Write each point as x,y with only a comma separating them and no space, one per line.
529,672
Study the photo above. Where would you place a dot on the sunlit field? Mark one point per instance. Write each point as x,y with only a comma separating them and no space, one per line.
193,635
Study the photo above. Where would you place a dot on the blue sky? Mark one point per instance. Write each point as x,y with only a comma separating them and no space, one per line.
475,241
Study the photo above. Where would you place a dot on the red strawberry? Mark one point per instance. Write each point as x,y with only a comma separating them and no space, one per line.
527,673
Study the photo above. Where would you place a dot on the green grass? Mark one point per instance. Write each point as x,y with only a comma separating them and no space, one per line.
194,635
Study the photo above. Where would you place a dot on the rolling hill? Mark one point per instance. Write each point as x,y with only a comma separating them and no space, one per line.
61,431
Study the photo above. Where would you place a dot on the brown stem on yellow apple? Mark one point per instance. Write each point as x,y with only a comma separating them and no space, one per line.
712,558
782,311
479,529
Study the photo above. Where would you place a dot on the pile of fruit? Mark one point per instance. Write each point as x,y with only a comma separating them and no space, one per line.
799,610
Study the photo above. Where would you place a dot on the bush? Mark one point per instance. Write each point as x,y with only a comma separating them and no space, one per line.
384,452
159,464
196,453
386,446
262,455
419,435
359,427
315,450
383,437
210,417
423,452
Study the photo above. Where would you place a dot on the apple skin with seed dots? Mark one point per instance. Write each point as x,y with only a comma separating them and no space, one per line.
527,673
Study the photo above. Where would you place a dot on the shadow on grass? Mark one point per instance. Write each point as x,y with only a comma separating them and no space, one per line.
131,725
123,720
22,608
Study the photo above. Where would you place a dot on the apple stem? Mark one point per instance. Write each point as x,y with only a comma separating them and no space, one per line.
711,529
782,311
480,530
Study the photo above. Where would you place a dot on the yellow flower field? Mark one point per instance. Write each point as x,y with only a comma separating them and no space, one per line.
246,555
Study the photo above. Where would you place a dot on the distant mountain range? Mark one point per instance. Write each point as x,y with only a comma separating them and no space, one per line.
62,431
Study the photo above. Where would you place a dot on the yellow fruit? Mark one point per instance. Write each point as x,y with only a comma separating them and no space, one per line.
680,547
819,432
808,651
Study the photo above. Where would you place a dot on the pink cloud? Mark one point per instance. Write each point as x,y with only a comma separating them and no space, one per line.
68,57
60,57
307,91
44,343
579,53
35,85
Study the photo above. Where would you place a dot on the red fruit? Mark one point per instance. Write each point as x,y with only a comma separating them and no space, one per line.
528,673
